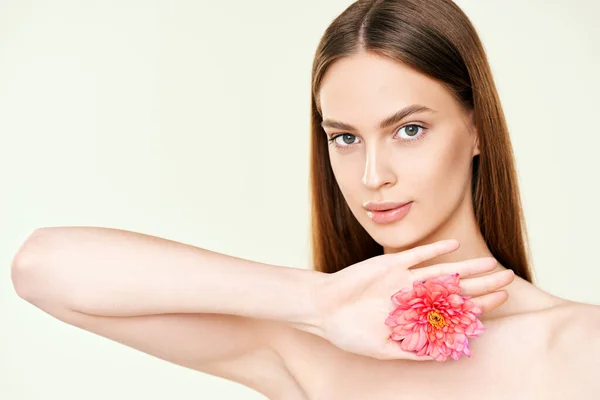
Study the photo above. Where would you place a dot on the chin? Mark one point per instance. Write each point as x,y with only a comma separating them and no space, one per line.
397,236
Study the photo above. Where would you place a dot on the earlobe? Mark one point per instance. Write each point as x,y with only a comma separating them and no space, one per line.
473,129
476,151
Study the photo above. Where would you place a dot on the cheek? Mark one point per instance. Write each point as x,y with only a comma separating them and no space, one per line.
348,175
442,175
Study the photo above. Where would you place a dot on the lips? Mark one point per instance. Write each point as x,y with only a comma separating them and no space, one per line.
381,213
383,205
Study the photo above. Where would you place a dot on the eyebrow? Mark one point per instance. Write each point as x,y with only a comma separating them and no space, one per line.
391,120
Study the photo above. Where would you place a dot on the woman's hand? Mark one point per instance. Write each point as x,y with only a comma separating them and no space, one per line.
354,302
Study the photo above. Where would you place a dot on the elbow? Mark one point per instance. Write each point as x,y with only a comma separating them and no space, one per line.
25,266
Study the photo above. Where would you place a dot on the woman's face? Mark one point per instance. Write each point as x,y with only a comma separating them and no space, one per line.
423,159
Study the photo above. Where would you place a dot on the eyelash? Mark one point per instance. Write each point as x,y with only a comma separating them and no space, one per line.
332,140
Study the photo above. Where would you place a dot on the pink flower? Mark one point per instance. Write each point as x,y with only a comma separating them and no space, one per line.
433,319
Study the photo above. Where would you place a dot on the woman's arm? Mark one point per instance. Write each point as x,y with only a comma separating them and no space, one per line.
118,273
204,310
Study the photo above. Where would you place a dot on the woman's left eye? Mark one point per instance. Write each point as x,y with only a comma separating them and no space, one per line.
411,131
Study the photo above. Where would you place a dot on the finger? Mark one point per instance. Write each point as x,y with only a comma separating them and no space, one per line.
490,301
487,283
464,268
426,252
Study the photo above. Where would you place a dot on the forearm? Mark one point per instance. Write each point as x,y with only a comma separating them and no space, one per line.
110,272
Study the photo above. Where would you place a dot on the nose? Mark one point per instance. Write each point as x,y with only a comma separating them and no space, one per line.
378,171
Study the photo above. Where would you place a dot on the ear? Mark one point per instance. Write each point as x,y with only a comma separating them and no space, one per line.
476,150
475,134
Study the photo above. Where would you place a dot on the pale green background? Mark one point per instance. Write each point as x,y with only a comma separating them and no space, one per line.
189,120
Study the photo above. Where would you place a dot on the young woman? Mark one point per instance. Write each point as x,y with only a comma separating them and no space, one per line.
409,148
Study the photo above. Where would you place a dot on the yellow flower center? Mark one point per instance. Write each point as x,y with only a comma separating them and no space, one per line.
436,320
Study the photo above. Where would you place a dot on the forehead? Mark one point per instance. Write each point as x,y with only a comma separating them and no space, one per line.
365,87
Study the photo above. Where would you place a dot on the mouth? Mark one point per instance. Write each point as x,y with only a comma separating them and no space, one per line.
385,213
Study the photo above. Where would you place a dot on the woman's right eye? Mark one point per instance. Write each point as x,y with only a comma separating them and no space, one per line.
343,140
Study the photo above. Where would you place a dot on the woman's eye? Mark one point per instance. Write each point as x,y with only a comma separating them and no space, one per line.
410,131
345,139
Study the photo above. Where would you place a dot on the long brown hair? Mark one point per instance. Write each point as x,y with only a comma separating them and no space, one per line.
436,38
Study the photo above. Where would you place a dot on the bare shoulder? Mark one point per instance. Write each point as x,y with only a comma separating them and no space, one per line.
574,345
578,321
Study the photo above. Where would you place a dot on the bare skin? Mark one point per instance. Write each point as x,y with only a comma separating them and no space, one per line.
535,344
529,351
